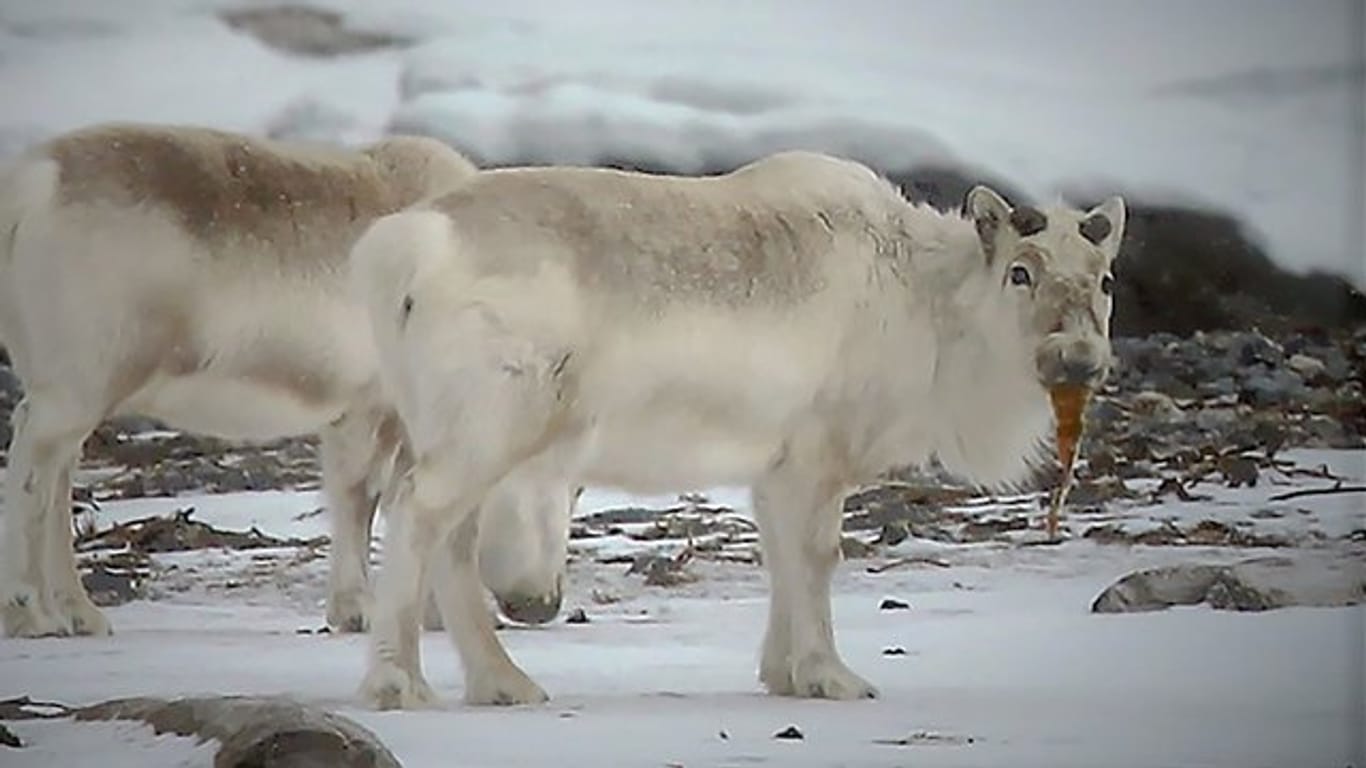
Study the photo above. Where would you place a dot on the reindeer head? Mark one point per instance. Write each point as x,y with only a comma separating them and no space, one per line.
1052,268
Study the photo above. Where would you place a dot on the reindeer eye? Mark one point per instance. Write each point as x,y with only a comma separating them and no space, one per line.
1019,275
1107,285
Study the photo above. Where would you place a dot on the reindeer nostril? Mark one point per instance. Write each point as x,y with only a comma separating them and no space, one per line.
1079,371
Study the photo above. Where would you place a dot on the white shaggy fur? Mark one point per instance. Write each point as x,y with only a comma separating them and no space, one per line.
795,326
198,277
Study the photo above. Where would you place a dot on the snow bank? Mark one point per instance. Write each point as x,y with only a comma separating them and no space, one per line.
1255,107
1251,107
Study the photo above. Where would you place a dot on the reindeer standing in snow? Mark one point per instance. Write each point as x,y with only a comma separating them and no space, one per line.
199,278
796,326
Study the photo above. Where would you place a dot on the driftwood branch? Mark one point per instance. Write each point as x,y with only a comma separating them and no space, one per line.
1318,492
902,562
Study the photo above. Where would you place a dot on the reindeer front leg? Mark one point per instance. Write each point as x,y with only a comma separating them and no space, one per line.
797,505
491,676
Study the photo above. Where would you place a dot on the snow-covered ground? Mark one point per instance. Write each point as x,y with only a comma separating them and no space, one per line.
1255,106
1003,663
1250,105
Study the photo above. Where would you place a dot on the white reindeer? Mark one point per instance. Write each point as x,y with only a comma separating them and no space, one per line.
199,278
795,325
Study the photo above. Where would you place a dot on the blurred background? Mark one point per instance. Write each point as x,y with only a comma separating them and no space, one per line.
1224,462
1234,127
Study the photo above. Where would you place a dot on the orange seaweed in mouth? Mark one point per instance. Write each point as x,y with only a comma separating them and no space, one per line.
1069,410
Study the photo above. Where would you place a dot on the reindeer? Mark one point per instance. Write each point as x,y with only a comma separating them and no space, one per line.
199,278
795,325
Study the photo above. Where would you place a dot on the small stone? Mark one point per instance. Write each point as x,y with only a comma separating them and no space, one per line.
1155,405
662,571
1308,368
791,733
854,549
1275,387
893,533
1104,412
894,650
110,586
576,616
1223,385
1239,471
1256,348
927,738
1214,419
8,739
892,604
1327,432
1228,593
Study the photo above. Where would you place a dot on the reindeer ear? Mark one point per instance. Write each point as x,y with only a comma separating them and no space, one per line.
989,212
1103,225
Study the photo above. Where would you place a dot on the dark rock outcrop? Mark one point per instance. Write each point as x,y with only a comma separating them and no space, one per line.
1258,584
1182,271
306,31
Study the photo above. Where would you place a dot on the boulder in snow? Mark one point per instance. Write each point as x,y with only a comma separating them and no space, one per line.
256,732
1258,584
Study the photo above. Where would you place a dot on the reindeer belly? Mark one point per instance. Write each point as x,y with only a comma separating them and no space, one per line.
278,364
672,452
699,398
234,408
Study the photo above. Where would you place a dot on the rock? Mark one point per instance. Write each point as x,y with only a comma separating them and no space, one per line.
25,708
1327,432
660,571
577,616
992,528
1223,385
1157,589
1227,593
1154,405
854,549
111,586
256,732
1257,584
1239,471
893,533
892,604
307,31
1092,493
8,739
1184,270
1254,348
10,390
927,738
894,650
1308,368
1275,387
1102,412
790,733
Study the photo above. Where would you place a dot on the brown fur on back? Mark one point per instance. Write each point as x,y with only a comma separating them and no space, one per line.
765,244
228,190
